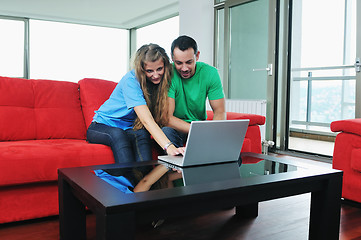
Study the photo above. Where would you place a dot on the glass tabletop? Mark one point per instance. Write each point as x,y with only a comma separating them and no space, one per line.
160,175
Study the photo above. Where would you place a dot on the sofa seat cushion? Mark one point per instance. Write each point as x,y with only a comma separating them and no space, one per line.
38,160
40,109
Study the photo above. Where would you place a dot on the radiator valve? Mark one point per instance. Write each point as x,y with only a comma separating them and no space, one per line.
266,144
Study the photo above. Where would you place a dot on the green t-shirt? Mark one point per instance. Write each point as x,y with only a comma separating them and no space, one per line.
190,94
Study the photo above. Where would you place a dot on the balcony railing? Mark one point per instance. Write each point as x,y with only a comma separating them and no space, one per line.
315,74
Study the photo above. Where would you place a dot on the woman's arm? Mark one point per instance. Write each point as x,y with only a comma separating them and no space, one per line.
147,120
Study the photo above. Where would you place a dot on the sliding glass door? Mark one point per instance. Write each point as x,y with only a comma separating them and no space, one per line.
302,56
322,71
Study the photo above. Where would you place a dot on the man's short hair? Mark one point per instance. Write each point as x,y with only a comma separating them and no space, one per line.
183,43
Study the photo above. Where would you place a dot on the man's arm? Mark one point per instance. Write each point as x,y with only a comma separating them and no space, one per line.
174,122
218,107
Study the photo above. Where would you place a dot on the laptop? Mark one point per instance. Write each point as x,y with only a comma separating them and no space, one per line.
211,142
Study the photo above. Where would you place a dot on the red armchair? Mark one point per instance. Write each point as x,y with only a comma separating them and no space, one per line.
347,156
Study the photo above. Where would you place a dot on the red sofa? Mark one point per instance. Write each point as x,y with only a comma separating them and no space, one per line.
43,127
347,156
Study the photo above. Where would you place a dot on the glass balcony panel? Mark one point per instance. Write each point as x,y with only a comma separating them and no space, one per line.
326,101
299,103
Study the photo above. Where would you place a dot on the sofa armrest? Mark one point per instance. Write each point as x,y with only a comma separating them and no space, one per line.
348,126
254,119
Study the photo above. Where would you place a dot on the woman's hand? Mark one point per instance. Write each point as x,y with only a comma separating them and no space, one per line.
147,119
172,150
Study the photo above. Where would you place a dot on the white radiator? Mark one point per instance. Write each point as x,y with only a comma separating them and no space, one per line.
247,106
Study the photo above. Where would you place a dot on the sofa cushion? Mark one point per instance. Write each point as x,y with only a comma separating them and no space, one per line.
39,109
24,162
93,93
17,116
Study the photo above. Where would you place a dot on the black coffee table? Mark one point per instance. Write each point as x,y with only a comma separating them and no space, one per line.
258,178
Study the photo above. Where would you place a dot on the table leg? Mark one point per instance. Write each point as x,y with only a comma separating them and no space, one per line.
247,211
326,210
72,214
115,226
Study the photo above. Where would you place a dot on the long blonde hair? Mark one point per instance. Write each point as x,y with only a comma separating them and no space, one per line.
159,108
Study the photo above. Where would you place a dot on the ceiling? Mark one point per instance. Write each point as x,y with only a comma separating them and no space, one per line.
112,13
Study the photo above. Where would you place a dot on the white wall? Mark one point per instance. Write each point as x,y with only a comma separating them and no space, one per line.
196,21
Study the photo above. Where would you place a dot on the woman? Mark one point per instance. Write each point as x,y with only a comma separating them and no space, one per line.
137,108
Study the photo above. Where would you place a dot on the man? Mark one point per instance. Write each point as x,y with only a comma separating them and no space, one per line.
192,83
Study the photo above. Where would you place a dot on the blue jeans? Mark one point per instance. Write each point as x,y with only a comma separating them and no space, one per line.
127,145
176,137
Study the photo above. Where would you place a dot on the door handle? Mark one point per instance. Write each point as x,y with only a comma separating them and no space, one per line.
268,69
357,65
